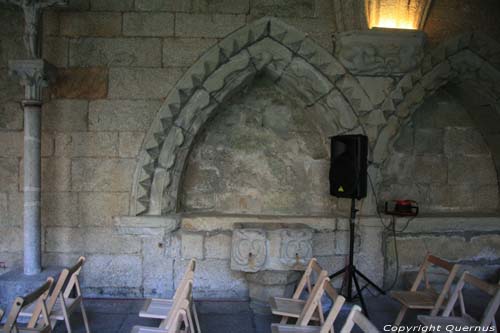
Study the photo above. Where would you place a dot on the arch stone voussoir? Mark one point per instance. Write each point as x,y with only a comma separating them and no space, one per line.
267,46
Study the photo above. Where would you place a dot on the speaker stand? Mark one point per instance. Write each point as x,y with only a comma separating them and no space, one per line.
350,271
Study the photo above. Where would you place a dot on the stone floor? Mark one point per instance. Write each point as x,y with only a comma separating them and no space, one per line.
118,315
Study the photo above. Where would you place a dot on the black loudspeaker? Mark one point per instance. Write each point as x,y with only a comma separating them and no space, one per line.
348,169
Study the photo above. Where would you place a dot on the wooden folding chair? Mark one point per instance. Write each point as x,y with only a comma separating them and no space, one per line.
292,307
61,304
356,318
428,298
38,297
158,308
311,308
465,320
178,314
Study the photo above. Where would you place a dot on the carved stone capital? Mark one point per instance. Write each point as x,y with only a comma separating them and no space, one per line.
33,74
380,52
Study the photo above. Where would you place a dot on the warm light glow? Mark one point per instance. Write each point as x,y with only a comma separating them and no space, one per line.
395,24
397,14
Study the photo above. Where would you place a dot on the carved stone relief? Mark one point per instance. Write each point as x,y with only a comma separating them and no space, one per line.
249,250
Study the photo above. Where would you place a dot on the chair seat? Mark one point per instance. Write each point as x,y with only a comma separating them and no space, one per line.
425,299
57,312
278,328
145,329
289,307
466,321
46,329
156,308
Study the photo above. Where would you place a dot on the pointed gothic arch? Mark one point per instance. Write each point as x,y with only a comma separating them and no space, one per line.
467,57
268,46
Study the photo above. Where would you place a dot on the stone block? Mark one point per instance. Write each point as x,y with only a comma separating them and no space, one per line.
10,89
405,141
80,83
400,168
16,207
55,50
431,169
98,209
202,25
65,115
99,174
130,143
111,5
87,144
4,208
182,52
13,21
164,5
50,20
486,198
60,209
115,52
122,115
192,246
463,140
11,116
12,144
64,239
12,48
342,242
123,271
324,244
477,169
376,87
11,239
222,6
283,8
56,173
148,24
9,174
81,24
158,271
218,246
214,278
79,4
107,241
429,140
137,83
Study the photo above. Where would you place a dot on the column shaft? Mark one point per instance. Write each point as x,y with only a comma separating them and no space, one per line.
32,186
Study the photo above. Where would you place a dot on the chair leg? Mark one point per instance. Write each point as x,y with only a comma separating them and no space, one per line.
400,316
84,316
197,322
284,320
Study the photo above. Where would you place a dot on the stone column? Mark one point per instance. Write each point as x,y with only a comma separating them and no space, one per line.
33,76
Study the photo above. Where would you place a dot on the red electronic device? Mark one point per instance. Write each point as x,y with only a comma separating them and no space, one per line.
401,207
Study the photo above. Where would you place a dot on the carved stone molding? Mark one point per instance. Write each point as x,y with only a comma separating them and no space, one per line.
293,60
271,247
33,74
296,246
249,250
382,52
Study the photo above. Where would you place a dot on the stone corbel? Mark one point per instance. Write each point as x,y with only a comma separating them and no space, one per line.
34,75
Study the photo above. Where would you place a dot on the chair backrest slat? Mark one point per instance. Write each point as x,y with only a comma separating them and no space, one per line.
183,292
39,296
72,278
313,300
491,289
355,317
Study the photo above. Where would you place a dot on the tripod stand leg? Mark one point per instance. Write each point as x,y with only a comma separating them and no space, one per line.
338,272
356,271
360,295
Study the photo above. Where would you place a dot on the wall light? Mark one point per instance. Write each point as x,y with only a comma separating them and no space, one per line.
397,14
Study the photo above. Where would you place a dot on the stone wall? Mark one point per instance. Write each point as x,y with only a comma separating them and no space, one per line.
442,161
117,61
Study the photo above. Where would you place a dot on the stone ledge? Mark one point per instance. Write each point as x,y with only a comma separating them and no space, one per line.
146,225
